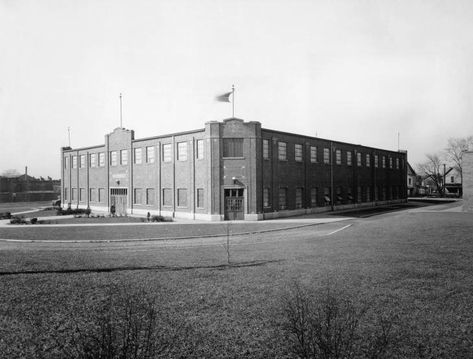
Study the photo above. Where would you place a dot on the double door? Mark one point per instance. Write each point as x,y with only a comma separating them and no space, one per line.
234,204
118,200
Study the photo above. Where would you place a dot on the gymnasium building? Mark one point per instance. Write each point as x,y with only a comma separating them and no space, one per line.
229,170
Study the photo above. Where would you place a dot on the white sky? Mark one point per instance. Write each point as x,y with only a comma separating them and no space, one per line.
355,71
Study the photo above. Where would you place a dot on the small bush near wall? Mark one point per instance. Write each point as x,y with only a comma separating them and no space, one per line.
69,211
160,219
5,215
17,220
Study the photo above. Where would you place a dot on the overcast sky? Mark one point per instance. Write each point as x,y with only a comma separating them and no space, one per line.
354,71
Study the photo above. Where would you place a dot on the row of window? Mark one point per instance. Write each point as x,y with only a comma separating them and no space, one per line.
317,198
298,156
121,157
95,195
144,196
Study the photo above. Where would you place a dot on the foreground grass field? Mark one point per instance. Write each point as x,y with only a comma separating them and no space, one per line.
414,268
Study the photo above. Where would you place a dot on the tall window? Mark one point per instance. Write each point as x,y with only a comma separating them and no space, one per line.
397,163
266,197
124,157
368,160
101,195
338,196
390,162
349,195
338,157
137,198
74,161
376,194
313,197
348,158
384,162
359,195
233,147
137,156
74,194
265,149
282,198
65,162
101,159
82,161
200,198
182,197
376,161
358,159
313,154
150,196
298,197
298,153
182,151
93,194
326,156
113,158
368,193
65,193
150,154
93,160
200,149
282,151
167,152
167,197
327,196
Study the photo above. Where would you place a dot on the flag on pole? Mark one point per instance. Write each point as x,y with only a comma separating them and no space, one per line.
224,98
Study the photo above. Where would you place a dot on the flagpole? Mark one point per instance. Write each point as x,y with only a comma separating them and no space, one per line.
121,126
233,101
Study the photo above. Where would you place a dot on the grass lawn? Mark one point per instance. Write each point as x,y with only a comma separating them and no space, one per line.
417,267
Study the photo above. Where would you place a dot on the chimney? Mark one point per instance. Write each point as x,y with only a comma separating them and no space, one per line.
26,173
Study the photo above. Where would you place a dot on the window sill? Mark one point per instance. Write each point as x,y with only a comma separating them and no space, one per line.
233,158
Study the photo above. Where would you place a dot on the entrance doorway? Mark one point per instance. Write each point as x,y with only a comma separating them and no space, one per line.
234,204
118,199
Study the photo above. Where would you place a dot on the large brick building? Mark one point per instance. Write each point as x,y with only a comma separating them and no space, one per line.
230,170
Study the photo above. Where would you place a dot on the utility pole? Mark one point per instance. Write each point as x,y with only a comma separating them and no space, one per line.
331,175
443,187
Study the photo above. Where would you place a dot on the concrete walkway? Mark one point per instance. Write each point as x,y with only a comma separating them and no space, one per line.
295,221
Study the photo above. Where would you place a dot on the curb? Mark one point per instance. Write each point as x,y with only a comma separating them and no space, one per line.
161,238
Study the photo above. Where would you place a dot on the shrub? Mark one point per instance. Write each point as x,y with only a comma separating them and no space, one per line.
69,211
160,219
87,212
128,324
5,215
326,324
17,220
34,220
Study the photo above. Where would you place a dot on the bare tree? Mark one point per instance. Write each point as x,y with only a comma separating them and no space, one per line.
329,324
454,152
430,169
